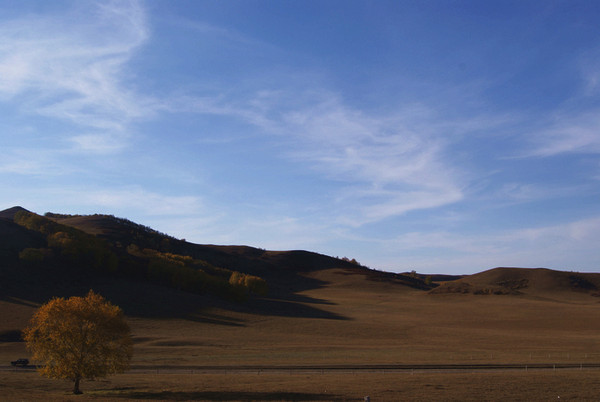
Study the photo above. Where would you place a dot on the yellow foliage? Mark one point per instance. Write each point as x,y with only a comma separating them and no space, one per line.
254,284
59,239
236,279
80,337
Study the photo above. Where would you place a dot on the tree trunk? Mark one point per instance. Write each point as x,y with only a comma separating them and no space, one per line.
76,389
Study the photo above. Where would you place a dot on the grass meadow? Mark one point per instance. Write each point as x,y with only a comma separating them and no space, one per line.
566,385
352,321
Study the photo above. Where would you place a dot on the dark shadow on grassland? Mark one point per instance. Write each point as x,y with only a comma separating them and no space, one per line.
140,298
284,272
218,396
294,297
285,308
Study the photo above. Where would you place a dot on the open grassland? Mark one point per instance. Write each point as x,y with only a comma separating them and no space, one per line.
348,321
378,323
564,385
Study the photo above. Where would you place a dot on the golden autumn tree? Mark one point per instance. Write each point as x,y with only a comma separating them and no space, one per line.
79,338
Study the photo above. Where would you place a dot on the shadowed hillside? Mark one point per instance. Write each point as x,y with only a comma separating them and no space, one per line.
11,212
529,281
151,273
282,269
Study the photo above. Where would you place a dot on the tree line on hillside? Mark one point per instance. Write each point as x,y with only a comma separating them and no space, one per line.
70,249
65,245
129,232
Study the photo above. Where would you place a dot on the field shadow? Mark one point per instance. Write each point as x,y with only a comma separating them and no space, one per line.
219,396
294,297
287,308
148,300
218,319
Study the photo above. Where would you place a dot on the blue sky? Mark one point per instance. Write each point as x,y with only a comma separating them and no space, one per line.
440,136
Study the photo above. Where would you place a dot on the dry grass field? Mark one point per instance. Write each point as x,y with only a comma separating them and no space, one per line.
483,386
350,320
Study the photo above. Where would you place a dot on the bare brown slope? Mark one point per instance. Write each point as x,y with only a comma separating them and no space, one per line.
531,281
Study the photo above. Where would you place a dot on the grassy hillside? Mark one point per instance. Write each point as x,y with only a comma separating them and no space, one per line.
540,282
283,270
41,248
62,255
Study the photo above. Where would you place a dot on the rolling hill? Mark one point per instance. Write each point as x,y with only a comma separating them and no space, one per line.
133,251
151,273
541,282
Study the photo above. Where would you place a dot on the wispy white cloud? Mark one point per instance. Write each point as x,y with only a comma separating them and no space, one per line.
589,68
282,233
72,66
574,127
33,162
127,201
98,143
228,36
569,133
512,193
142,201
391,164
397,163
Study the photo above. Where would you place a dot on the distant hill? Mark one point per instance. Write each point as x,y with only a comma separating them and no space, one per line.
524,281
61,255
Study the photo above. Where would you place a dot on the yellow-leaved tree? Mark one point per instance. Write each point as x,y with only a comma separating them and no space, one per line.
79,338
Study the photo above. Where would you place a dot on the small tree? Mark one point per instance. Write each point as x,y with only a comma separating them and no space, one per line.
80,337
